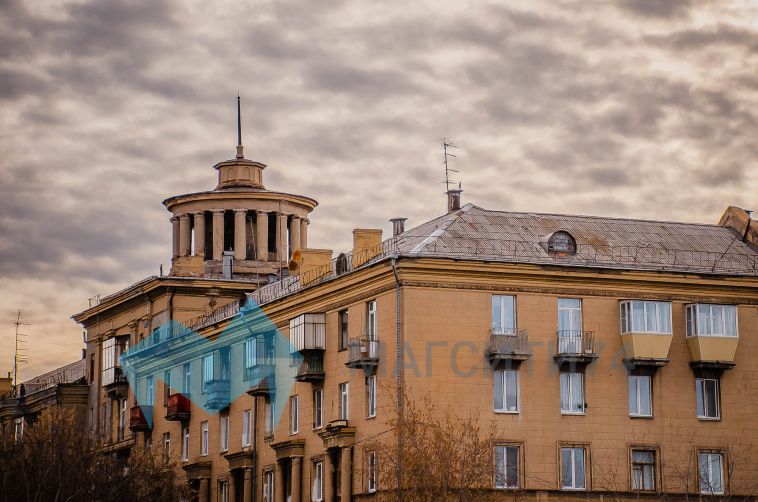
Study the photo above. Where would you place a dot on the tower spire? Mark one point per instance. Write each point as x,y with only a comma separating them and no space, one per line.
240,155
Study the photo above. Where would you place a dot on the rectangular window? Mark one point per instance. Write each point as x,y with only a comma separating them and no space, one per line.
294,414
250,354
344,401
223,491
371,396
569,314
223,428
707,393
185,444
343,333
268,419
122,414
646,317
149,391
711,320
318,481
506,391
246,428
207,371
573,472
268,486
711,473
503,315
318,408
167,444
187,379
643,470
506,466
371,333
204,438
572,393
166,386
640,396
372,472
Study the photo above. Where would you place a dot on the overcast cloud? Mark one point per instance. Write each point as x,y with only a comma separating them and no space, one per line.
634,108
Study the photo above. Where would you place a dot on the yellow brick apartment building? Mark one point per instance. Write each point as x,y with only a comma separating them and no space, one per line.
612,355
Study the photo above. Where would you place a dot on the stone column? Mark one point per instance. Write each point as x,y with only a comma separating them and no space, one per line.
279,495
232,487
247,492
281,238
185,235
218,233
261,237
296,483
239,234
199,218
295,233
175,229
304,233
328,478
346,471
203,495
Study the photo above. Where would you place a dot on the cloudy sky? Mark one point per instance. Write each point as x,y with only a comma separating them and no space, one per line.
633,108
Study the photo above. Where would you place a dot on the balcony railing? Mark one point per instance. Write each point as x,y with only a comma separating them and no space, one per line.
575,346
178,407
138,418
216,394
261,377
509,344
362,353
117,386
311,368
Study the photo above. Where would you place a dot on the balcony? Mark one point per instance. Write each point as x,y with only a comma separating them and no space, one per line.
362,353
576,347
261,377
311,367
646,349
708,351
508,345
178,408
216,394
117,387
138,418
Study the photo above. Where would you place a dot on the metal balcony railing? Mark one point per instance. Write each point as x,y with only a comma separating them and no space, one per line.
138,417
216,394
178,407
576,343
362,352
311,367
511,343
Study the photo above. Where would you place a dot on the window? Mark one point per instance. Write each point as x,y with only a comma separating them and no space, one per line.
246,428
204,438
711,473
646,317
343,329
371,396
572,393
707,393
643,470
185,444
372,471
561,242
640,396
223,428
223,491
318,481
294,412
149,391
506,391
187,379
573,470
207,371
111,351
268,419
18,429
344,401
371,320
506,466
318,408
166,386
250,354
167,444
503,315
711,320
122,413
268,486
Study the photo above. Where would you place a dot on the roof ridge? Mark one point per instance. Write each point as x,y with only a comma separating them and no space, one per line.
442,228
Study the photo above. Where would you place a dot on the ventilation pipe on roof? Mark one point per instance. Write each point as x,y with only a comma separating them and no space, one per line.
453,200
398,226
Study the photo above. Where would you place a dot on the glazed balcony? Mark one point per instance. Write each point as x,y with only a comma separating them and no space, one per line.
575,347
508,345
713,351
712,335
311,368
646,348
261,377
138,418
216,394
362,353
117,387
178,408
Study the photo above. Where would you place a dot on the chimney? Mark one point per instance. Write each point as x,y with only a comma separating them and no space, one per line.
367,243
454,200
739,219
310,264
398,226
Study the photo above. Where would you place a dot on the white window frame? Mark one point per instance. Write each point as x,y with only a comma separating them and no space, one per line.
167,444
318,481
635,380
223,429
502,375
245,428
294,414
371,332
207,371
268,418
499,325
185,444
642,470
223,490
204,439
372,472
628,324
700,383
318,408
187,384
149,391
695,321
574,486
268,485
503,475
707,473
371,396
345,401
572,391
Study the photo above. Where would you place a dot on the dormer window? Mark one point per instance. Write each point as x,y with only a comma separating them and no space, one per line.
561,242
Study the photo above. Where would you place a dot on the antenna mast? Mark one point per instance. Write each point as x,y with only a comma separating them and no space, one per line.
240,155
453,195
19,356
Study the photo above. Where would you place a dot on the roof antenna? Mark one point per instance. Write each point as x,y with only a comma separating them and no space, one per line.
240,155
453,194
20,353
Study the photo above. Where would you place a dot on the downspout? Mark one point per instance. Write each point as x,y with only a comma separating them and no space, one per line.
399,375
255,444
171,313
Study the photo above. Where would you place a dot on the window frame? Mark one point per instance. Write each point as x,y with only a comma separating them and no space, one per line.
371,396
497,327
371,321
503,376
204,437
167,444
656,462
268,485
344,401
318,408
207,370
149,391
187,375
343,334
519,462
167,390
223,432
722,464
268,419
372,472
702,397
185,443
638,414
294,414
246,429
693,322
586,464
583,410
318,480
628,325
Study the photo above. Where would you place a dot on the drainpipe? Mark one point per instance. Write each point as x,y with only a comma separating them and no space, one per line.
171,313
399,374
255,444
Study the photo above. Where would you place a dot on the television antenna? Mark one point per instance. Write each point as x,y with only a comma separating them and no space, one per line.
447,145
19,356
